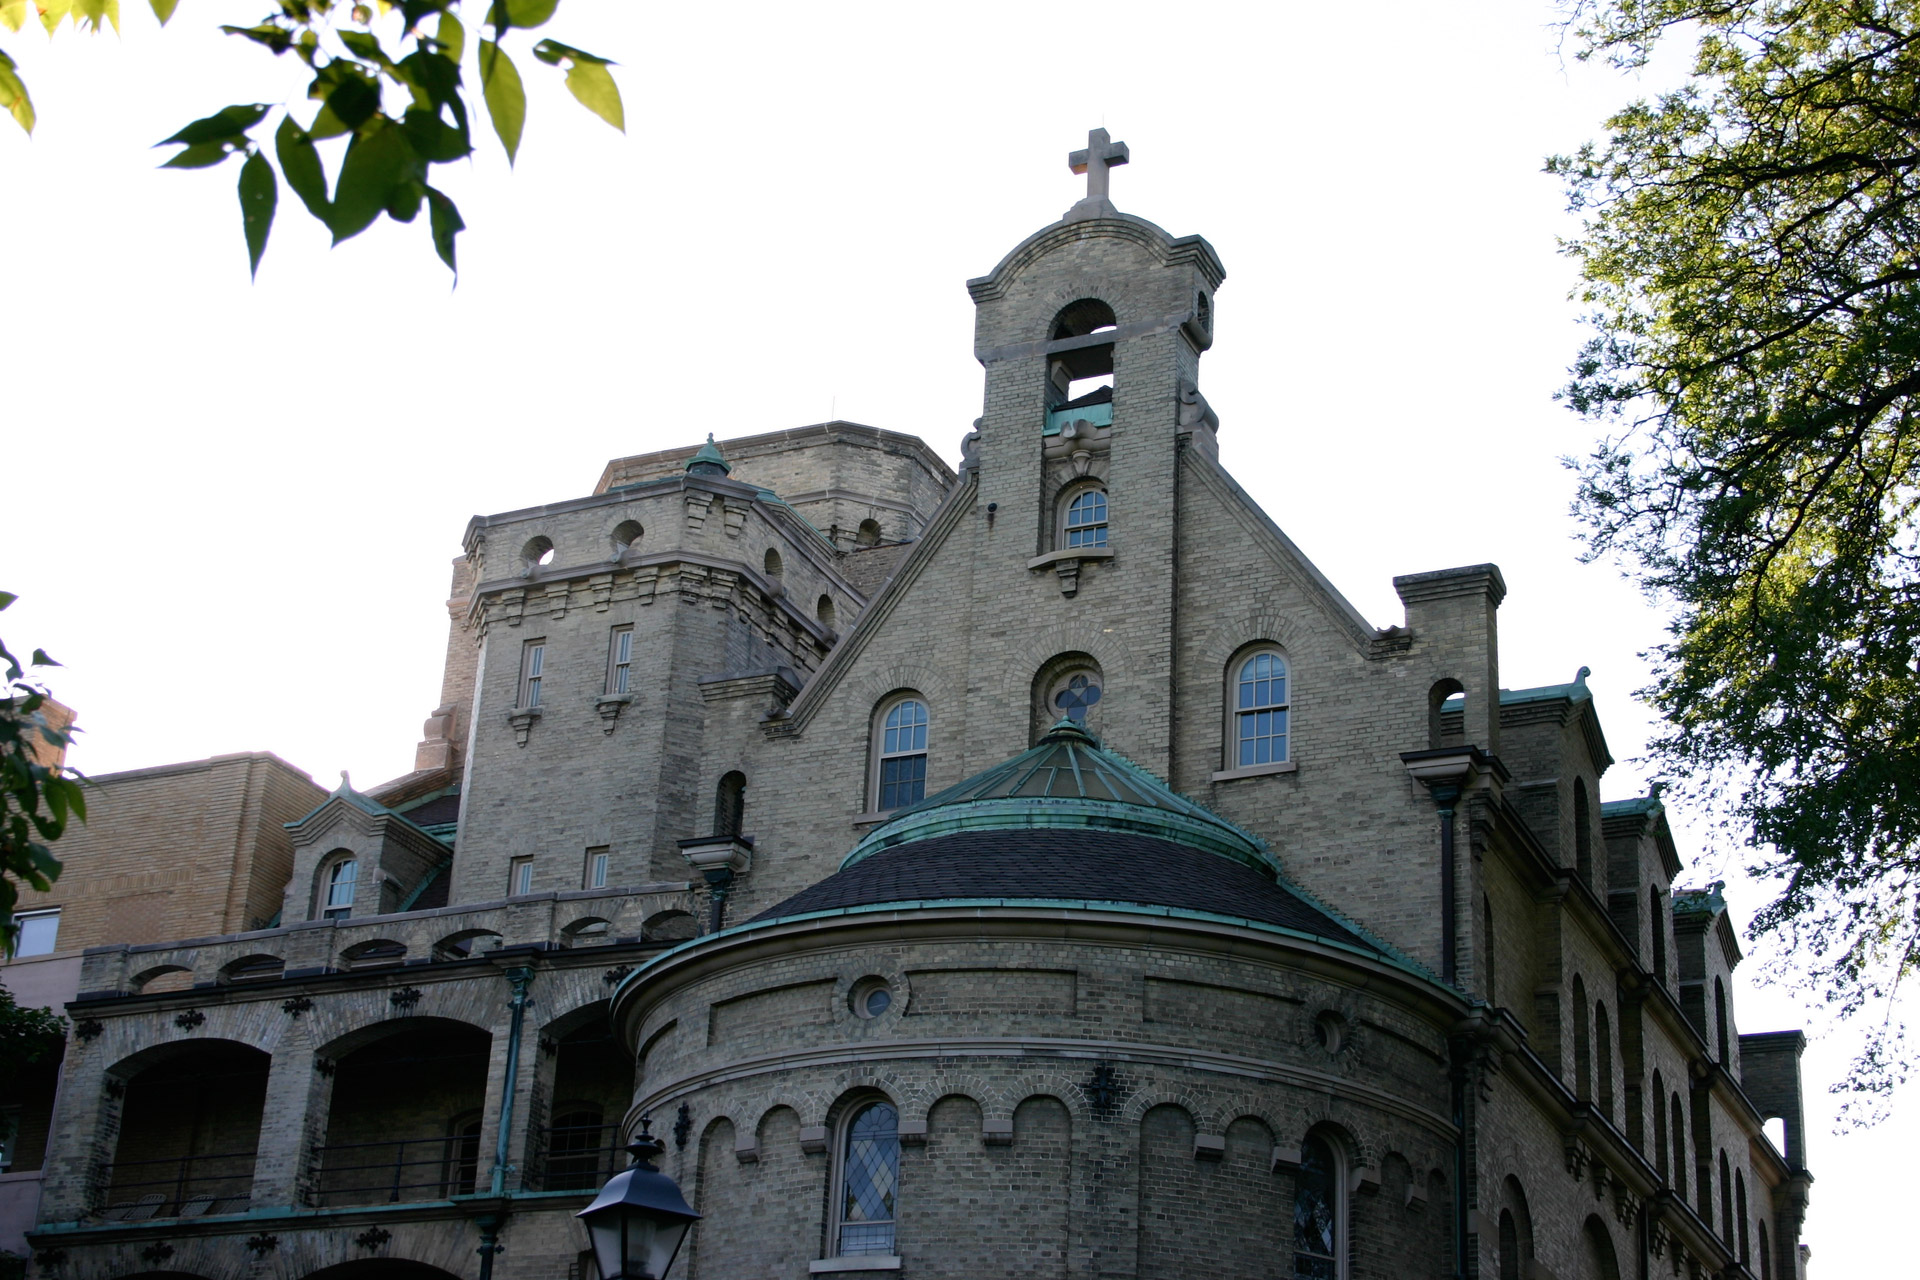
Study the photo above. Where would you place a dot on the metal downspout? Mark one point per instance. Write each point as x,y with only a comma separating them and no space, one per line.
520,977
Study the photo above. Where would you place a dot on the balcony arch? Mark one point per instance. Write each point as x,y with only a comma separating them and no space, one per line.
187,1131
587,931
585,1086
375,953
161,977
403,1095
466,944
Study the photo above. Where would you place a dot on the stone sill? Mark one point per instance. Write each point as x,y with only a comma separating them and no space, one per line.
1075,553
1255,771
865,1262
877,816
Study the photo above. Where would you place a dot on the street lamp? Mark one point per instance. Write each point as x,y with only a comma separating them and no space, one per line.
639,1219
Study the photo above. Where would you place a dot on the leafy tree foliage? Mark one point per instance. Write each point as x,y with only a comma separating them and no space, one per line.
398,111
1750,251
39,795
26,1036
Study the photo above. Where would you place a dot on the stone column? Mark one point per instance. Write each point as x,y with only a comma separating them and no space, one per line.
293,1122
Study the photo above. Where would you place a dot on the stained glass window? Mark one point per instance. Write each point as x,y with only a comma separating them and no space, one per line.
1316,1214
1260,711
869,1177
903,755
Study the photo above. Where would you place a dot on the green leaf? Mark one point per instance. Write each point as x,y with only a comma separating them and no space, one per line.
404,204
94,13
351,100
278,39
13,95
376,162
506,96
40,659
53,13
452,37
200,156
435,139
593,85
259,193
446,225
364,45
525,14
227,125
300,161
13,14
163,9
433,74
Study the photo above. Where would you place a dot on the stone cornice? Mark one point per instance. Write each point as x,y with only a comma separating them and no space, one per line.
1121,226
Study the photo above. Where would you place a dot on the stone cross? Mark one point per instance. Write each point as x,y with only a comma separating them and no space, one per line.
1102,154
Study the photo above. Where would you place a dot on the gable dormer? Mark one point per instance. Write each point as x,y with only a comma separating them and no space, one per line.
353,856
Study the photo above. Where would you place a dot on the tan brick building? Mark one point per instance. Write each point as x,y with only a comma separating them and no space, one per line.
1040,870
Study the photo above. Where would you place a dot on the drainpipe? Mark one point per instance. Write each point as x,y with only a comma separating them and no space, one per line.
521,977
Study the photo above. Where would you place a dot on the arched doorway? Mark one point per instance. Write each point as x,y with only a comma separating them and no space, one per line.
589,1086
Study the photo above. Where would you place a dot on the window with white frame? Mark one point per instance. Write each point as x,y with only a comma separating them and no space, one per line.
342,876
1319,1213
867,1181
520,877
620,661
902,755
533,663
1084,519
38,932
597,860
1257,721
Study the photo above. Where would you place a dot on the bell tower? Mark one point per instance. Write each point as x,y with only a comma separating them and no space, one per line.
1090,332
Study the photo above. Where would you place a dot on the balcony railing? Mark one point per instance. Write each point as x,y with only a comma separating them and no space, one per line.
398,1169
179,1186
578,1157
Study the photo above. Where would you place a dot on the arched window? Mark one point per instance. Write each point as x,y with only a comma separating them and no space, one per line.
341,878
1509,1247
1083,519
1679,1127
869,533
772,564
461,1160
867,1181
1601,1259
1726,1201
1319,1212
1582,1045
730,804
1720,1019
901,773
1583,833
1740,1212
823,611
1766,1256
1660,1128
1260,698
1603,1058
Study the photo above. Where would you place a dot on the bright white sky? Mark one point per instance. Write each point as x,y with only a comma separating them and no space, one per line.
231,508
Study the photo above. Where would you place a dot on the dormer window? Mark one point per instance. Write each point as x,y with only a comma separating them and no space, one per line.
341,880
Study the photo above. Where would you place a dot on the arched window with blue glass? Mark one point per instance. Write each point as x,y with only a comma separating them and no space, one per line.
1319,1212
867,1181
1259,715
900,753
338,879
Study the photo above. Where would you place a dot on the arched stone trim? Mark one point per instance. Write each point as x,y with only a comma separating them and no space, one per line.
1070,637
574,1016
1135,1112
1263,626
917,1103
878,685
1069,1091
339,1042
1112,289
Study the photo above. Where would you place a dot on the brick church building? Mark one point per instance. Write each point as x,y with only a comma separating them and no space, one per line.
1040,870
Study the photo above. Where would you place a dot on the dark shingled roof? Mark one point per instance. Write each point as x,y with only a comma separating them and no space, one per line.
1064,863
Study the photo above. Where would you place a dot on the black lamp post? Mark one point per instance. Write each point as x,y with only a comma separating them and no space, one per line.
639,1220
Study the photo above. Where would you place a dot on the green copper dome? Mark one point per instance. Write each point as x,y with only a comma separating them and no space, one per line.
709,461
1067,781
